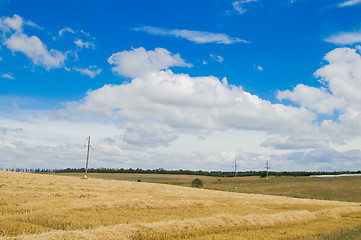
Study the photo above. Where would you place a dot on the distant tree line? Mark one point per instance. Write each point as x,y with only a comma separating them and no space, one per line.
180,172
203,173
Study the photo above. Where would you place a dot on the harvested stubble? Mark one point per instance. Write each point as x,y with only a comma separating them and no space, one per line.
36,206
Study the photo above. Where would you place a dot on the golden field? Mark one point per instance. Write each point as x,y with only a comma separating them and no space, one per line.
34,206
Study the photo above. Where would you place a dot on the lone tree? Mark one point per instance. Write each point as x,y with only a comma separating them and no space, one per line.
197,183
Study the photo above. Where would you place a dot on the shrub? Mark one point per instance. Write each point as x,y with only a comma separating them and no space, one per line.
263,174
197,183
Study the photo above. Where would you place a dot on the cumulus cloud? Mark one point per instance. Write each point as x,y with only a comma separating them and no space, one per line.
177,103
91,71
189,102
8,76
239,5
36,50
139,61
343,75
32,46
15,23
349,3
318,99
193,36
341,79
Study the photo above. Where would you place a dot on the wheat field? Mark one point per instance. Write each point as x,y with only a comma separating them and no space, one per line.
34,206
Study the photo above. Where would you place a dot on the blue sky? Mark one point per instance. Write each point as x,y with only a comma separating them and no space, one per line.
181,84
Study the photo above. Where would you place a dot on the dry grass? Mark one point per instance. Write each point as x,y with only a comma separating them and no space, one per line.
58,207
339,189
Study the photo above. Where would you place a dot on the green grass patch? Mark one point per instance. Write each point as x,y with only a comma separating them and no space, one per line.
354,234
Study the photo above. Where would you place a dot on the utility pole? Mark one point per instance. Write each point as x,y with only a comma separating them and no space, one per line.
235,174
267,167
87,159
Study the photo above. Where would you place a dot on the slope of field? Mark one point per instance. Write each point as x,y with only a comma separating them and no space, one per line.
339,189
36,206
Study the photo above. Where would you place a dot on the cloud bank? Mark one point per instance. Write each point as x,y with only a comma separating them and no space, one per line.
157,106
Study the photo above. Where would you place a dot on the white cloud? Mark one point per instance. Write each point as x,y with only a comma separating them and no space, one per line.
8,76
36,50
64,30
163,119
345,38
341,79
239,5
139,61
343,75
349,3
91,71
259,68
33,141
79,43
318,99
150,134
179,104
194,36
32,24
217,58
32,46
15,23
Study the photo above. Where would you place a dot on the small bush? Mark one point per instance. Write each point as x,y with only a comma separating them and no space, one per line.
197,183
